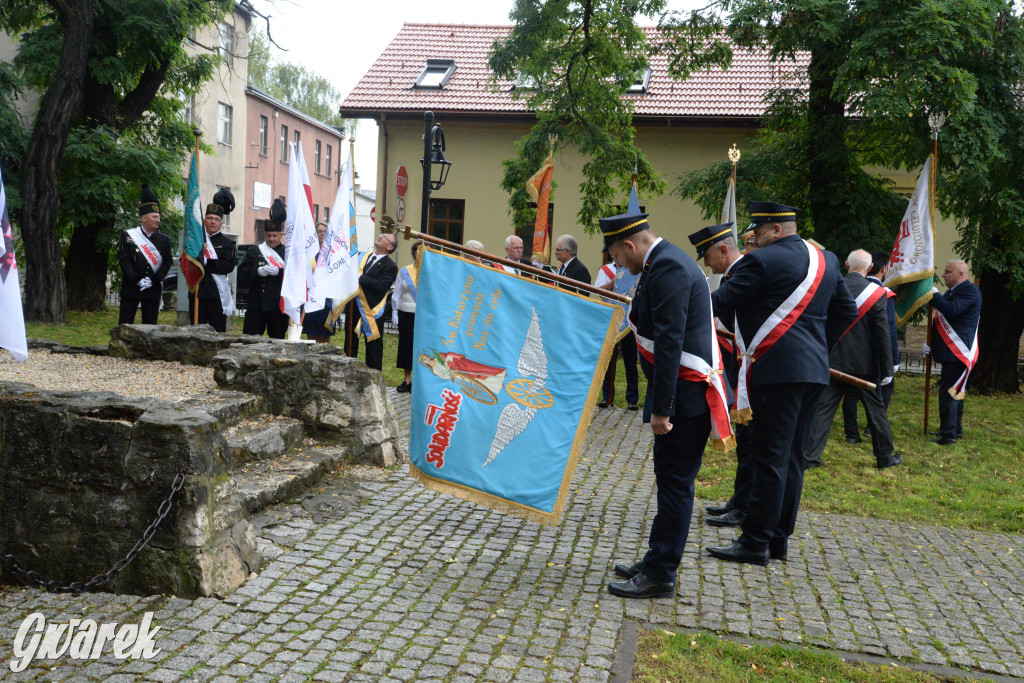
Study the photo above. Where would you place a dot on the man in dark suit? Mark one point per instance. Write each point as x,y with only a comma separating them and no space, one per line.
790,304
218,259
145,257
378,273
565,251
879,260
717,247
670,316
262,272
954,341
863,351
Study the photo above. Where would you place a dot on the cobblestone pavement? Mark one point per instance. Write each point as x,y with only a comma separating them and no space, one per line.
415,585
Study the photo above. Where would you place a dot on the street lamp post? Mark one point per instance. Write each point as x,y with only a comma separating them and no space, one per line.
435,164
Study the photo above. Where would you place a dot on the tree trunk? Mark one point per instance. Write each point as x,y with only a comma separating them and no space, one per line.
999,333
827,155
45,293
85,271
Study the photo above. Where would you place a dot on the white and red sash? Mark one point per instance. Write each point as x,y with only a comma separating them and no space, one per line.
724,342
507,269
696,369
227,301
772,329
866,299
967,356
152,256
272,257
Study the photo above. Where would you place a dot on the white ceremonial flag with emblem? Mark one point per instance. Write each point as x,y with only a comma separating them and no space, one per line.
912,261
297,271
337,272
12,318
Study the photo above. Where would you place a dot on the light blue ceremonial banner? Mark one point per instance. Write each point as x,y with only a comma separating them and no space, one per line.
506,372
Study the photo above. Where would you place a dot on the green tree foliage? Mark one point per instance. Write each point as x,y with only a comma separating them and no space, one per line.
122,123
295,85
12,138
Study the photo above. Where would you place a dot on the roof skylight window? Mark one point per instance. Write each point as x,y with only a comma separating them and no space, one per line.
436,75
640,86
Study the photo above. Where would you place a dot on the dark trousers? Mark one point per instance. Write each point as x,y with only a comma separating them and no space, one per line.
406,324
627,348
744,484
274,323
677,458
129,304
782,415
375,354
351,344
850,401
210,313
881,434
951,411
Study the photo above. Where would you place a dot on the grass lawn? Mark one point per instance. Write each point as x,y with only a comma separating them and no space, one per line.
975,484
706,658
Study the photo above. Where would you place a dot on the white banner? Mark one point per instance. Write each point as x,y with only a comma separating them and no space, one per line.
298,273
12,318
913,254
337,272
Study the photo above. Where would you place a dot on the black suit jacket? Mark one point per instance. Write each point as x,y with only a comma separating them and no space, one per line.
671,308
264,291
222,265
135,267
377,279
759,282
865,350
962,307
577,271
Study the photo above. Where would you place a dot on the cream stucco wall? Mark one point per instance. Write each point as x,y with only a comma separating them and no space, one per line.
226,166
29,99
477,149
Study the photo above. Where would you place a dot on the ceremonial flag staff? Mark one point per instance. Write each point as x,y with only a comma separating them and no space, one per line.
936,120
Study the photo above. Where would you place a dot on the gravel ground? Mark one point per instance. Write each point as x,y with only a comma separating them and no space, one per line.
67,372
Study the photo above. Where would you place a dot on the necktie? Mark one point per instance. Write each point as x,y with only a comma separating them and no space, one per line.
561,269
369,263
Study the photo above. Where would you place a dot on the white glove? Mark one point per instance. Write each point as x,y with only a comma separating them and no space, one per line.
895,368
145,283
887,380
935,290
927,349
268,270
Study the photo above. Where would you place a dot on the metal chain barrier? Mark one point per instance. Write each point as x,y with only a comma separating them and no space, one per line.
33,578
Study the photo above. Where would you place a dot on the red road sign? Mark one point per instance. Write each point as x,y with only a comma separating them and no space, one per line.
373,214
401,181
401,210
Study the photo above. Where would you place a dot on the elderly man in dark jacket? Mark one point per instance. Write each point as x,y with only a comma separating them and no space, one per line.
864,351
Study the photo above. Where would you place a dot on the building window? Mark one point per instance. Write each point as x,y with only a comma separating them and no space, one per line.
327,215
190,111
264,123
227,43
316,213
316,158
639,87
435,76
524,231
284,144
297,137
327,164
447,219
223,123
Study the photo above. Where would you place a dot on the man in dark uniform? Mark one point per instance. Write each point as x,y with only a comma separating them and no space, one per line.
214,290
960,307
790,304
863,351
670,315
145,257
262,271
717,247
378,273
565,251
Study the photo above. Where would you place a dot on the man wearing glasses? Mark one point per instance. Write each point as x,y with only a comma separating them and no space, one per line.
378,273
565,252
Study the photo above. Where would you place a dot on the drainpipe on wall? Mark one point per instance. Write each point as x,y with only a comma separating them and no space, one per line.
384,175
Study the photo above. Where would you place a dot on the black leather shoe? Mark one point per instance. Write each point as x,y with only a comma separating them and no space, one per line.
404,388
716,510
642,587
944,441
850,440
778,550
811,464
628,571
731,518
633,406
891,461
602,404
737,553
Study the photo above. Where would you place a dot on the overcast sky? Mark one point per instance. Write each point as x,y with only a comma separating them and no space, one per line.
341,40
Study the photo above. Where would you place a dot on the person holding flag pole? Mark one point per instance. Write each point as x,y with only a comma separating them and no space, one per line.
144,254
12,318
